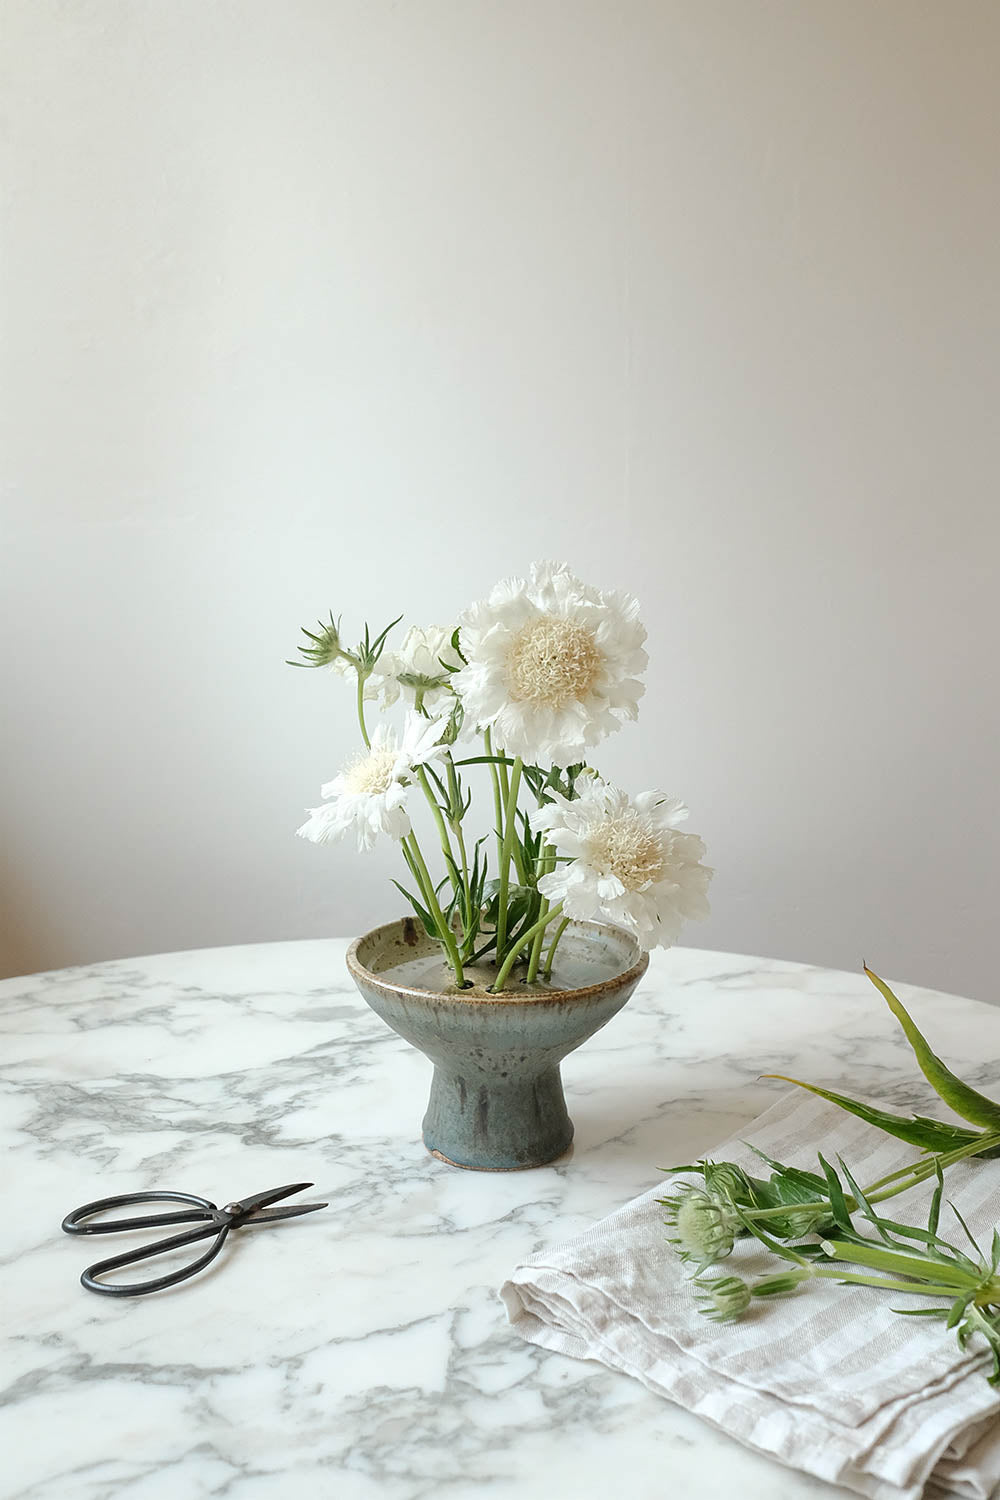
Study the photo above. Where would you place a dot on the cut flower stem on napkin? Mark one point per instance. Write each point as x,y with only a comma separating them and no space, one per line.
707,1218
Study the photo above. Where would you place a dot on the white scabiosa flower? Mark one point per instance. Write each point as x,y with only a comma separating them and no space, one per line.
552,664
423,660
628,862
370,793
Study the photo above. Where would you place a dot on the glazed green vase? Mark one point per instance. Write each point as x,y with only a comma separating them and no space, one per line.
496,1102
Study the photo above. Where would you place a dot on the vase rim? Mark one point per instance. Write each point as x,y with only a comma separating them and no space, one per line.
477,995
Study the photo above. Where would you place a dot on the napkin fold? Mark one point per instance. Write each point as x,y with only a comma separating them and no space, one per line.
828,1380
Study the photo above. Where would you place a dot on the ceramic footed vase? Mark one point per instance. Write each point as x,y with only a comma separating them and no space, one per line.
496,1101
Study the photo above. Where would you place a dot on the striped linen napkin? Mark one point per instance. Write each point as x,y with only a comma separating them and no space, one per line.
829,1380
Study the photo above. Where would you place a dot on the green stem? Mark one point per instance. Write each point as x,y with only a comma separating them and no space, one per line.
909,1265
455,823
928,1166
455,817
923,1289
439,820
434,907
362,679
521,943
892,1184
536,947
504,779
550,956
535,957
498,803
509,830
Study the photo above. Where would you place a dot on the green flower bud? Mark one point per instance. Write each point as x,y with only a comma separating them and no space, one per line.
779,1286
726,1179
706,1225
325,648
723,1299
799,1222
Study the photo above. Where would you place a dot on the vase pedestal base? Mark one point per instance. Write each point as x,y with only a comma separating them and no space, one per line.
488,1117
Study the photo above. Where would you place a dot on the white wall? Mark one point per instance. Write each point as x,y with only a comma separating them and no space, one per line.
363,305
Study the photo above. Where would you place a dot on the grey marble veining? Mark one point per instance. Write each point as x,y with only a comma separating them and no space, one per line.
363,1352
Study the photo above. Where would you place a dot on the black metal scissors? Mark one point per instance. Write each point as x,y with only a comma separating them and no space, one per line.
214,1221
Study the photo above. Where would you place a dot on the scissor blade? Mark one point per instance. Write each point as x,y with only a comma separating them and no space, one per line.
288,1211
259,1200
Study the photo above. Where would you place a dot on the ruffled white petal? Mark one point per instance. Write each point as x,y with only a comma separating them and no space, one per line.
426,654
420,742
601,827
560,729
370,812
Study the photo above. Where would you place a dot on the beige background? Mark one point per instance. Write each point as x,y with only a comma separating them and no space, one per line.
362,305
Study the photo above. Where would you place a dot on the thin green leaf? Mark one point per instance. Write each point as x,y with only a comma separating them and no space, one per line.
968,1231
428,922
441,789
790,1174
963,1099
934,1213
838,1203
785,1251
929,1135
932,1241
859,1197
485,760
379,641
454,872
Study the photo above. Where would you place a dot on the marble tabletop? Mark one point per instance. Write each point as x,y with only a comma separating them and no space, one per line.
363,1352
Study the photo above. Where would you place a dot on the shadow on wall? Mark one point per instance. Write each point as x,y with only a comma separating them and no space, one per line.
27,938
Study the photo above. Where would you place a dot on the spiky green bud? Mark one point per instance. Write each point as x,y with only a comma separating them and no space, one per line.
706,1225
725,1179
780,1285
723,1299
325,648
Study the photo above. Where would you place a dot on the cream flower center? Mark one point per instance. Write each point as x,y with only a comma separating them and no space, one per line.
626,847
551,661
370,772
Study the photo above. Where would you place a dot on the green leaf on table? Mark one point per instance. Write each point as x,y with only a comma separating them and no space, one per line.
963,1099
916,1130
913,1232
934,1212
797,1179
859,1197
838,1202
968,1232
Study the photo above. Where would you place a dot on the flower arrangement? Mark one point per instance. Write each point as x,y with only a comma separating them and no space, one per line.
807,1219
522,688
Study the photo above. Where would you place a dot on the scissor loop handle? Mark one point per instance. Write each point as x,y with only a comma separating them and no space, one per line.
74,1223
90,1280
